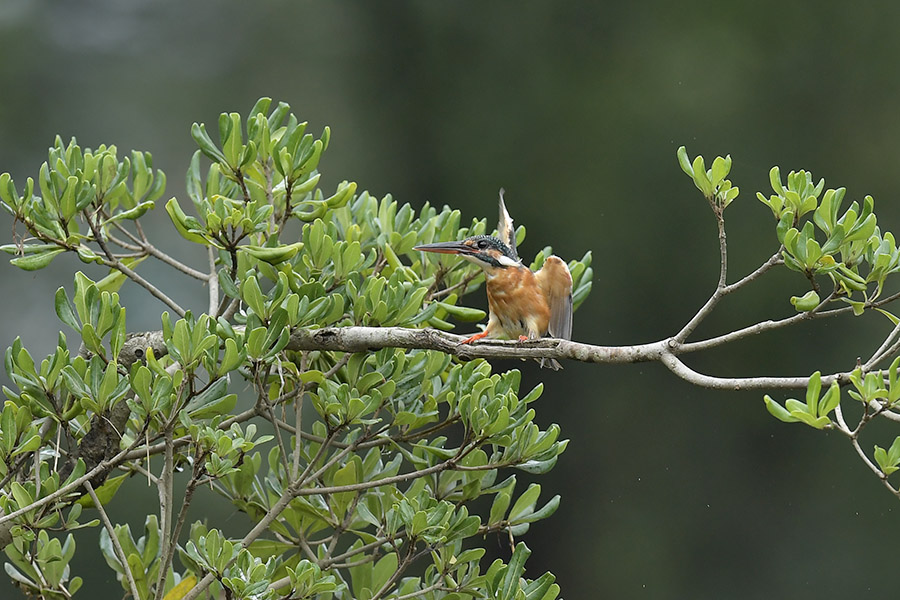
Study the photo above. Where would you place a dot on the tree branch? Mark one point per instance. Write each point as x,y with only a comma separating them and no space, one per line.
667,351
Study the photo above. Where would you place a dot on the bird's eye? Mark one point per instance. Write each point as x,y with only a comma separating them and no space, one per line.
482,244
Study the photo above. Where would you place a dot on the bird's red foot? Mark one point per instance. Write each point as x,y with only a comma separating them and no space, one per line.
523,338
477,336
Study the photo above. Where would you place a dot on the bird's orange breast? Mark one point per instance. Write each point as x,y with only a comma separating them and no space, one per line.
517,302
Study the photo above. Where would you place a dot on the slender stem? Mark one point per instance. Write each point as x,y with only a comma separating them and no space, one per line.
888,348
166,501
169,551
213,282
717,295
270,414
298,419
761,327
128,234
120,553
231,309
151,478
723,245
154,291
775,259
364,548
842,424
263,403
140,231
401,568
146,247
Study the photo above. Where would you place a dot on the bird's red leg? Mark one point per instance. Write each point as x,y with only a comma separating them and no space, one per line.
477,336
523,338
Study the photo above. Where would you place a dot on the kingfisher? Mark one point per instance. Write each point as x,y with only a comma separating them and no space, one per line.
523,304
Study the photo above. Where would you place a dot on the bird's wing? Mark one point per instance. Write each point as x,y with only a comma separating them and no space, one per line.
505,228
556,284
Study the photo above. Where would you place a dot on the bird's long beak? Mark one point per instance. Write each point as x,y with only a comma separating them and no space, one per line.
445,248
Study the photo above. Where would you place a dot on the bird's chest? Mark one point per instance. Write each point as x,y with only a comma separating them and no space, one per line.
516,301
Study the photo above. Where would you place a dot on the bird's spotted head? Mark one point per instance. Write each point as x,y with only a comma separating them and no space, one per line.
486,251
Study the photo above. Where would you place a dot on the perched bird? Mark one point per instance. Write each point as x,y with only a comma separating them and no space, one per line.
523,305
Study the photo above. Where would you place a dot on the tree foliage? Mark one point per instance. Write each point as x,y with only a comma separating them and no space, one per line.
358,469
319,391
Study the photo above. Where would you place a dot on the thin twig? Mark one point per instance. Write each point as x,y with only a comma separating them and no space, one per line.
120,553
298,418
762,326
166,501
112,262
887,349
774,260
717,295
169,551
151,478
401,568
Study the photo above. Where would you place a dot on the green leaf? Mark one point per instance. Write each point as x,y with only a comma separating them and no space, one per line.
212,401
253,296
685,162
463,313
105,492
501,503
182,222
64,310
812,393
38,260
525,503
830,400
384,569
720,169
775,181
700,179
198,132
807,302
778,411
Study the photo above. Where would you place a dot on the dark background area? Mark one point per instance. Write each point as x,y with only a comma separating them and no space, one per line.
577,109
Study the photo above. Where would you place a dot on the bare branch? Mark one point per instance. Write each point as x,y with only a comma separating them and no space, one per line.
775,259
675,365
364,339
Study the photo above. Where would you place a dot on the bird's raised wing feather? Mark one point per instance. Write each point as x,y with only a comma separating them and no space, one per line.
556,284
505,229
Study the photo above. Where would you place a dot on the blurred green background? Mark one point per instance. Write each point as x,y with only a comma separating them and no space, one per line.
576,108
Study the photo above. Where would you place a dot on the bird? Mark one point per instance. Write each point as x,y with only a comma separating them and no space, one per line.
523,304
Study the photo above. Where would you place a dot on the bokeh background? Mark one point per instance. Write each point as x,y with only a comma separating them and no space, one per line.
577,109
